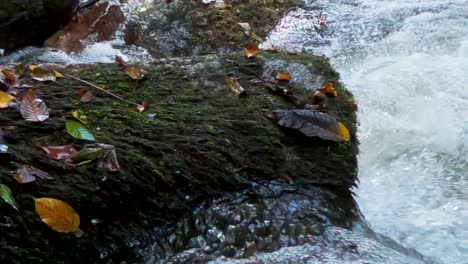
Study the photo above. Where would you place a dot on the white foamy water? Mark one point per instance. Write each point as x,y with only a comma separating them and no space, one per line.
406,62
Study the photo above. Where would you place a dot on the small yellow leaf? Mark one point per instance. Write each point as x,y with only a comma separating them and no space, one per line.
32,67
57,214
343,132
329,89
5,99
58,74
283,76
80,116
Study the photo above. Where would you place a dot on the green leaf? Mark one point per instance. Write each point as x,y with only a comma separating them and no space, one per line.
7,196
79,131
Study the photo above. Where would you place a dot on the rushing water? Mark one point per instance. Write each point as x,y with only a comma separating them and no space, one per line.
406,62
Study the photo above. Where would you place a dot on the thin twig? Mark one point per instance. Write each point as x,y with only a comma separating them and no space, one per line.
100,89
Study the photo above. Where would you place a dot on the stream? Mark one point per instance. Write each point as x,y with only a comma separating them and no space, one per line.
406,62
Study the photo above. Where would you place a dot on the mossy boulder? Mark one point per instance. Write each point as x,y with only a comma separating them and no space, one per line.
197,142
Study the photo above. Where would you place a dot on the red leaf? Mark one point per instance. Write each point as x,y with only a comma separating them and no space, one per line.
59,152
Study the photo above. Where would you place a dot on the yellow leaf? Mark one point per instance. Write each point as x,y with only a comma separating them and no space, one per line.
343,132
80,116
57,214
329,89
58,74
5,99
32,67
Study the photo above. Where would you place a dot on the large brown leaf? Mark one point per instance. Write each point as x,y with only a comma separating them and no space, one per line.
33,108
313,124
59,152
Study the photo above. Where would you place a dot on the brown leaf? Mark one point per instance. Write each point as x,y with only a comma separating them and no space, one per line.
251,51
135,72
283,76
313,124
32,108
9,76
28,173
57,214
329,89
59,152
109,160
43,74
143,106
85,96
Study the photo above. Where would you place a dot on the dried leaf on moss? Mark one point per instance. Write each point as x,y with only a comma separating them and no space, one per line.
329,89
283,76
313,124
79,115
251,51
85,96
59,152
235,86
143,106
5,99
27,174
57,214
33,108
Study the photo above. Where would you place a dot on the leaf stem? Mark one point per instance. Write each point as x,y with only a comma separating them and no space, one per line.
100,89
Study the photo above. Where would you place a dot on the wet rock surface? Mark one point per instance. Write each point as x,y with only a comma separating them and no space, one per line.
31,22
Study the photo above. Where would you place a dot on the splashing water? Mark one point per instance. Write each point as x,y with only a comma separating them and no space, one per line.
406,62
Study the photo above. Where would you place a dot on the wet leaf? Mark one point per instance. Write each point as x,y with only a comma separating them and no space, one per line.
28,173
59,152
85,96
9,76
235,86
32,108
88,153
251,51
7,196
109,160
43,74
283,76
5,99
32,67
58,74
80,116
57,214
79,131
329,89
143,106
135,73
313,124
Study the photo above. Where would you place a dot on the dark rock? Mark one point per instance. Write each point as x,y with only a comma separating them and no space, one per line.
31,22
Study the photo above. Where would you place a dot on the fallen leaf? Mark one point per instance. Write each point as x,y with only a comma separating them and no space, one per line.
9,76
7,196
283,76
58,74
59,152
57,214
79,131
143,106
235,86
329,89
32,108
5,99
28,173
109,160
32,67
313,124
135,73
43,74
80,116
85,96
89,152
251,51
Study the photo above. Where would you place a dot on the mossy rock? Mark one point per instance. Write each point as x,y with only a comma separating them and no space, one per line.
186,27
198,141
